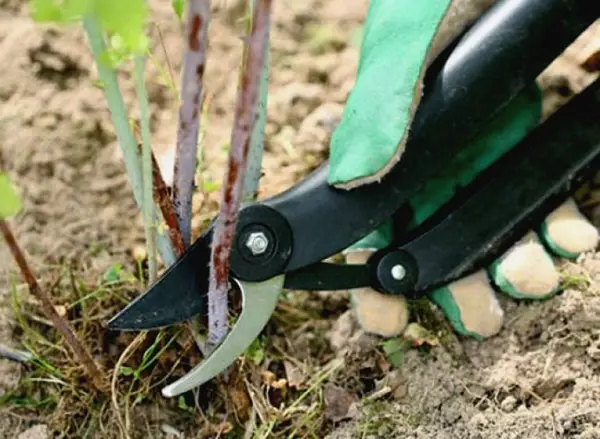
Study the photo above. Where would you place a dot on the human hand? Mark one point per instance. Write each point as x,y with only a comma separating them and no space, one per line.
370,140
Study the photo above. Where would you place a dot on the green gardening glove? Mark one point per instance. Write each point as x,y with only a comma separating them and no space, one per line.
400,39
369,141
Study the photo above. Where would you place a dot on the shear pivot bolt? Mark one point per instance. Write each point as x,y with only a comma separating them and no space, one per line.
398,272
257,243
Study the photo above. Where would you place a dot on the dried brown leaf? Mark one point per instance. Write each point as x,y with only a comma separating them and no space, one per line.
296,378
338,403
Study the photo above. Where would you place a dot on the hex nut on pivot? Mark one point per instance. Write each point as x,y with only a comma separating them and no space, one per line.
263,244
257,243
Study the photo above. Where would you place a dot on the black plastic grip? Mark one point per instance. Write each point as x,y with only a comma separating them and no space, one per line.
494,61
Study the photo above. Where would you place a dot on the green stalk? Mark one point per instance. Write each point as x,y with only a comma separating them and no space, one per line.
257,136
148,208
126,139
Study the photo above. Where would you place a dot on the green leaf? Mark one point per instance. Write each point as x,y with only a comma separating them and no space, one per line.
150,351
127,371
256,351
10,202
178,6
125,19
61,11
182,404
394,350
113,274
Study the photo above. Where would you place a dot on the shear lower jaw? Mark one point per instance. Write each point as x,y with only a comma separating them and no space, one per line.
258,303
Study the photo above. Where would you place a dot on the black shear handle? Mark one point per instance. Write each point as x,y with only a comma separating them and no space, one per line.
484,219
494,61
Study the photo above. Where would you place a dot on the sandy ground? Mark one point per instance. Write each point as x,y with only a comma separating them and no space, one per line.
537,379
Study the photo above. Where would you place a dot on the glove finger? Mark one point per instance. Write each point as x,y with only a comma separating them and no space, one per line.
526,270
471,306
567,232
377,313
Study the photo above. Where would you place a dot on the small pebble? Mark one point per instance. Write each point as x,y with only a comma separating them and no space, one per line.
508,404
479,420
171,431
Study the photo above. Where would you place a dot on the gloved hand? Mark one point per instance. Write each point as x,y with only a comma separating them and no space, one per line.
370,140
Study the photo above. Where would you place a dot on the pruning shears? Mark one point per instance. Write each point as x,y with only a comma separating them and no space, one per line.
281,242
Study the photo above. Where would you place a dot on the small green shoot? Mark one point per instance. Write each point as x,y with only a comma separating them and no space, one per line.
256,351
394,350
10,202
571,281
151,354
114,274
183,405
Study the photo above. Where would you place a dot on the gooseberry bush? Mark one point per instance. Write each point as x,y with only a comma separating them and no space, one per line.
116,32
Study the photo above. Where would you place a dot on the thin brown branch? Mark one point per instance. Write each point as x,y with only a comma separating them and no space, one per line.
59,323
194,63
162,199
233,182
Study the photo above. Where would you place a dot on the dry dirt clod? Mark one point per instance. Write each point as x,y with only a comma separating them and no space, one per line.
36,432
9,375
508,404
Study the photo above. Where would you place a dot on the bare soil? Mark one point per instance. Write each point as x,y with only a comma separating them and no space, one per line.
538,379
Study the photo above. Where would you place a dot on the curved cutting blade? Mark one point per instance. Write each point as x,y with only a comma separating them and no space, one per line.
177,296
258,303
